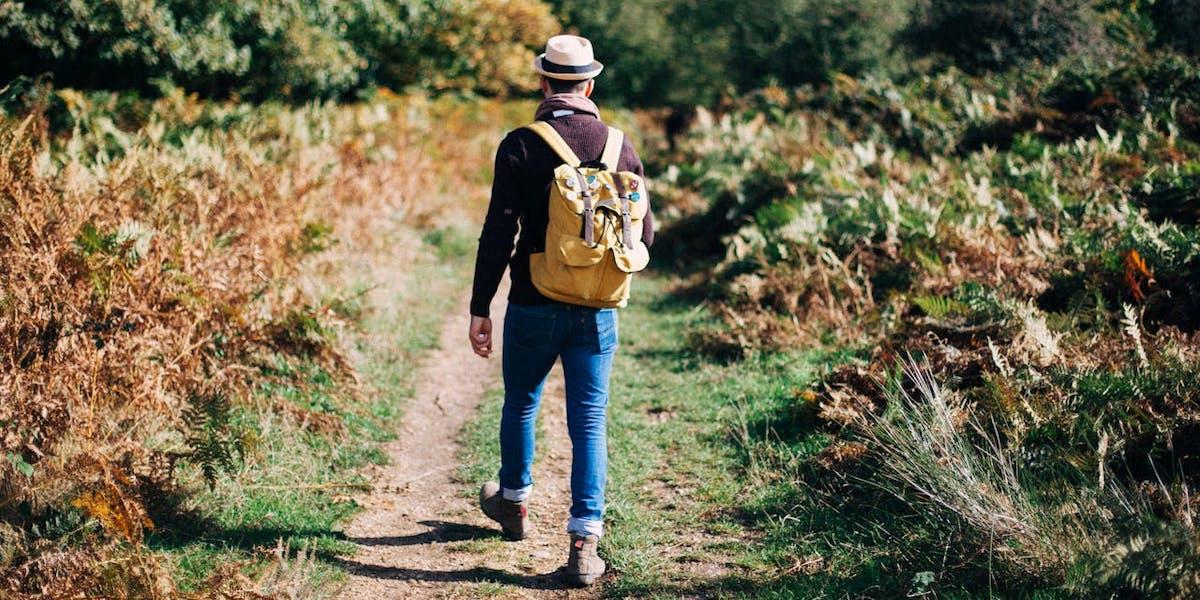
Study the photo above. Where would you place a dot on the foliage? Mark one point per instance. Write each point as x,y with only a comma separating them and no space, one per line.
291,49
1177,23
1167,87
1160,564
211,439
805,41
1030,239
996,34
151,308
637,43
672,52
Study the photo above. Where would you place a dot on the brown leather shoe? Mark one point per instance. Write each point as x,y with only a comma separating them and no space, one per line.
513,517
584,565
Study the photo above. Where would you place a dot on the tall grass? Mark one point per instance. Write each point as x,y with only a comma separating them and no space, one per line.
937,455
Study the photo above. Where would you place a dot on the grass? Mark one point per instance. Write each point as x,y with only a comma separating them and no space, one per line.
740,444
479,455
294,487
689,439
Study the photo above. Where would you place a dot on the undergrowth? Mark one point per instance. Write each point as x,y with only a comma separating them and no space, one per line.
1019,255
184,309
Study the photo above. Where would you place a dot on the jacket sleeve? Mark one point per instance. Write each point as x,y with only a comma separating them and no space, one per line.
499,228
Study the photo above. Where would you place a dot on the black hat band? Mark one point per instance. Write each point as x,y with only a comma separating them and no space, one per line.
551,67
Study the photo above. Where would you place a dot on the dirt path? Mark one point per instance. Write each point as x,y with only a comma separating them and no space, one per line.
420,537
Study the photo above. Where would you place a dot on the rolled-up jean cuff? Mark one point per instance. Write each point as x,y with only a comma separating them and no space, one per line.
585,527
517,495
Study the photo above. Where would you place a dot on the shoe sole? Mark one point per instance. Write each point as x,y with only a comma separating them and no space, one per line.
512,536
581,580
509,534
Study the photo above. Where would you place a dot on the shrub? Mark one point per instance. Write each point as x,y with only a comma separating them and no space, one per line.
996,34
637,42
805,41
485,45
1166,85
150,300
674,52
1177,23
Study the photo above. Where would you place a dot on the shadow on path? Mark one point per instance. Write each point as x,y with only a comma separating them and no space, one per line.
439,531
443,532
545,581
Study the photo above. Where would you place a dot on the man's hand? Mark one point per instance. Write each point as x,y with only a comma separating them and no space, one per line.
481,336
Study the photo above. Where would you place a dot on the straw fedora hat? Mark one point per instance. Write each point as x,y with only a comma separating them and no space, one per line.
568,57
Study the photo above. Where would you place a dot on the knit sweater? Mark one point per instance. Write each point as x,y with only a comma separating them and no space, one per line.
520,192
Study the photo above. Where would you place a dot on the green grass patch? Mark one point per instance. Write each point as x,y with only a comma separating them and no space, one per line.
479,454
684,430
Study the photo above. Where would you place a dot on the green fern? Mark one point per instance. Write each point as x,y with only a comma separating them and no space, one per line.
929,261
983,303
941,307
212,442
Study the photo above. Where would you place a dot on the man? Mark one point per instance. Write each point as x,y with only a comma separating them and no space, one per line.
537,330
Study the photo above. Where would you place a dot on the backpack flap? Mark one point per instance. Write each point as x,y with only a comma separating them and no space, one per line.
632,260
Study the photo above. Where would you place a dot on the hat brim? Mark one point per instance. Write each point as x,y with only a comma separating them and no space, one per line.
589,72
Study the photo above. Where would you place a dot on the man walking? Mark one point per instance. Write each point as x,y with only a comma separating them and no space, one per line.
608,220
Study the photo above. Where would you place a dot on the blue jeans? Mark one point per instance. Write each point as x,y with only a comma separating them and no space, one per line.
585,339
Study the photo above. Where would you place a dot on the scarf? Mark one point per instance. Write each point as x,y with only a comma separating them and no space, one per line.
577,103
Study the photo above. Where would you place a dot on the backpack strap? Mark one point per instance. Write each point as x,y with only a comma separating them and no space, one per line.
589,210
555,141
626,218
612,149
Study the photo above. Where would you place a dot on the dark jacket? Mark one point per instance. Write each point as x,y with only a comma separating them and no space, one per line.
520,192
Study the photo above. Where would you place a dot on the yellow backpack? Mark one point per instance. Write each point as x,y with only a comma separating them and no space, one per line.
594,235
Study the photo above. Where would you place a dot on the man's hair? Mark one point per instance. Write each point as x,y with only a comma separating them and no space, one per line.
562,86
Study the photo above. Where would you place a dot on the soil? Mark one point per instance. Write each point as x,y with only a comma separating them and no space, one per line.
421,533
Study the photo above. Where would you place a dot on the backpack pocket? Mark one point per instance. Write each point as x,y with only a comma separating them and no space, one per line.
573,252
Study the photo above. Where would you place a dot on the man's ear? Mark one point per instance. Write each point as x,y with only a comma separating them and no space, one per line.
542,83
591,87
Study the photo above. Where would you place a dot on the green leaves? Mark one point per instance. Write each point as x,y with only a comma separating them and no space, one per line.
18,462
940,307
211,437
293,49
92,241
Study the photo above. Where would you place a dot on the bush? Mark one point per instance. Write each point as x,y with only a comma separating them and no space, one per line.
997,34
807,41
669,51
150,301
637,42
1167,85
1177,23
